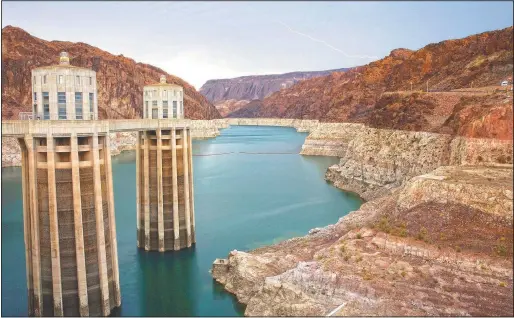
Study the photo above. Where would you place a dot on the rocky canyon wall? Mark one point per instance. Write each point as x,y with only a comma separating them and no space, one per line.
375,161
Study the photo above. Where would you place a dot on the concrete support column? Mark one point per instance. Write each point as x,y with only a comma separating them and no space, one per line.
100,238
26,224
192,194
185,160
138,194
34,226
160,218
112,221
146,174
54,228
176,225
79,233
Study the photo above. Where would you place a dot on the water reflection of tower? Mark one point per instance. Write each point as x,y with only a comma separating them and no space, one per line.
168,283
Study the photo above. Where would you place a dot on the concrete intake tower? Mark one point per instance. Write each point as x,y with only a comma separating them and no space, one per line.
68,204
165,206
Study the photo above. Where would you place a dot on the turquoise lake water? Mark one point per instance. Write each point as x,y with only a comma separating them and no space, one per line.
243,200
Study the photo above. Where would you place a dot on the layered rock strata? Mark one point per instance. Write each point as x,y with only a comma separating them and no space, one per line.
375,161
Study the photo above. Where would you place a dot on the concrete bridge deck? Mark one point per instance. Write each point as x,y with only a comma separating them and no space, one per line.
19,128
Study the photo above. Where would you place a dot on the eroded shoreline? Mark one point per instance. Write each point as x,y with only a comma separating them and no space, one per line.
434,238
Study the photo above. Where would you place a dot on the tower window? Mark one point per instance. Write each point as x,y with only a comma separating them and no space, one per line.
44,79
91,105
174,109
61,79
34,104
78,80
181,108
46,106
90,80
78,105
61,103
164,109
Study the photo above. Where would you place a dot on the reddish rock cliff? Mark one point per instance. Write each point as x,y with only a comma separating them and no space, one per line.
120,80
357,95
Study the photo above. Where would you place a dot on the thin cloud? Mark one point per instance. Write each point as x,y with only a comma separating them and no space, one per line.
327,44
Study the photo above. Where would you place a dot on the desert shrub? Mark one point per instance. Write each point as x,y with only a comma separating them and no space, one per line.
383,225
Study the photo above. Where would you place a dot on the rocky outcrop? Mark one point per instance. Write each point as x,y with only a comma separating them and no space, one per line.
202,129
375,161
414,252
226,107
483,116
120,80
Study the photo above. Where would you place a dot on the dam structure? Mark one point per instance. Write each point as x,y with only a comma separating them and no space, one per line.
68,202
164,174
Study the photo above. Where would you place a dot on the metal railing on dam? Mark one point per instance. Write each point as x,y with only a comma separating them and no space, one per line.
19,128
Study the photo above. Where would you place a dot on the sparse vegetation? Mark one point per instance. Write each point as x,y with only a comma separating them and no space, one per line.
422,234
367,275
400,230
383,225
359,236
503,284
501,250
501,159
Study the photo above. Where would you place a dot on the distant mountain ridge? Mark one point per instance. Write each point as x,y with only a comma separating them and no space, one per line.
120,80
230,94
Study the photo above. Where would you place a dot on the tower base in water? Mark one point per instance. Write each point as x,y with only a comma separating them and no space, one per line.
69,225
165,205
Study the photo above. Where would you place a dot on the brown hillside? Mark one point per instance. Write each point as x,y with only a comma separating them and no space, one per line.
478,60
120,80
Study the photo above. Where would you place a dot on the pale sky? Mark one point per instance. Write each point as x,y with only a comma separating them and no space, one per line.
198,41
